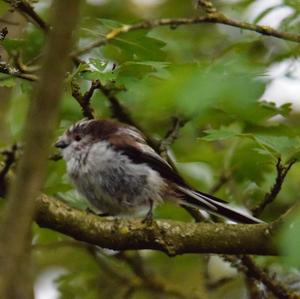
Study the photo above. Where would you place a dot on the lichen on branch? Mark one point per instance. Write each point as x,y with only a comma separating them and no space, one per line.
171,237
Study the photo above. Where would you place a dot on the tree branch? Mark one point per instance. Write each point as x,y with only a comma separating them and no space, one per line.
213,18
84,100
223,179
118,111
171,135
40,123
150,280
27,10
121,113
245,264
7,69
282,171
171,237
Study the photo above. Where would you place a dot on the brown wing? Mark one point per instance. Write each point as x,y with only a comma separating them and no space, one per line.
142,153
132,144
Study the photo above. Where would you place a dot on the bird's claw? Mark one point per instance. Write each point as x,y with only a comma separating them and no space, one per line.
148,218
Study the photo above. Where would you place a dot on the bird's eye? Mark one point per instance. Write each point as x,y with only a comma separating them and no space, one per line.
77,137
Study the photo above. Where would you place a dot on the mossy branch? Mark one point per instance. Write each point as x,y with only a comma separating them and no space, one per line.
171,237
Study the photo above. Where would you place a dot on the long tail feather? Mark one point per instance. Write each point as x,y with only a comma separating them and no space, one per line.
215,206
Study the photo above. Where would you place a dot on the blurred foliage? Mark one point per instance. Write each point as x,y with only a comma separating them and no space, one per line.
213,76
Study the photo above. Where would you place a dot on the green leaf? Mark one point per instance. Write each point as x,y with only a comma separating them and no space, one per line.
221,134
110,24
13,44
230,85
8,82
102,76
135,46
289,239
281,145
248,164
95,69
271,109
293,3
139,70
275,146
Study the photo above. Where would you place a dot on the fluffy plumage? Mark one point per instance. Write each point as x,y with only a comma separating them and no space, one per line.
111,164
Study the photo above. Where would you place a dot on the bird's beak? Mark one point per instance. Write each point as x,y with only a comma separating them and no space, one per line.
61,144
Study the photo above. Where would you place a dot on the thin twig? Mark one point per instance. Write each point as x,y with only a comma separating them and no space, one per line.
118,111
7,69
282,171
255,291
150,280
171,135
275,286
27,10
23,68
121,113
84,100
106,267
246,265
214,18
146,278
223,179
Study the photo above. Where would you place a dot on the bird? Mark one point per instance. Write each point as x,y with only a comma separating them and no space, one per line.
111,164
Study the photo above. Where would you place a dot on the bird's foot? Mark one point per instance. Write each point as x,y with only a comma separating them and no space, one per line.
148,220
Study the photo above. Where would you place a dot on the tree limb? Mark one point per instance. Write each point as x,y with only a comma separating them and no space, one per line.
171,237
149,279
171,135
84,100
282,171
40,123
213,18
7,69
28,12
246,265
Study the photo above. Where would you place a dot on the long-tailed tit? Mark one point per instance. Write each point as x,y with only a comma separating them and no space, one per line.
111,164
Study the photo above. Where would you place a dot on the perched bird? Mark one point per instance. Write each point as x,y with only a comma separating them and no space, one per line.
111,164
